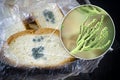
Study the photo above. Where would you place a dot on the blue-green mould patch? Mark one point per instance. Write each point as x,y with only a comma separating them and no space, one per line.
38,39
38,52
49,16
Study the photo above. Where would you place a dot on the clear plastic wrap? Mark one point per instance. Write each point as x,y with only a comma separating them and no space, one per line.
12,14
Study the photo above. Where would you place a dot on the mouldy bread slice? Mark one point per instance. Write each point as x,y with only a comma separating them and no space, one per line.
48,16
41,48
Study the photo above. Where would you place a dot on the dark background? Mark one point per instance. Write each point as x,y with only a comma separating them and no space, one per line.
108,68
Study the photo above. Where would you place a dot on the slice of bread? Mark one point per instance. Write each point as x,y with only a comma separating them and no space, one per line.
48,16
41,49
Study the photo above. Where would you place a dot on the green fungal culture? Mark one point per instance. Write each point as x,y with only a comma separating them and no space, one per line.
91,10
92,36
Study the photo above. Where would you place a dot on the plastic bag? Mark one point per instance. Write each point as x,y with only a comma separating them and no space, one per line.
22,10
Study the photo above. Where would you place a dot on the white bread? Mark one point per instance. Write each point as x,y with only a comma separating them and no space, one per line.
26,50
48,16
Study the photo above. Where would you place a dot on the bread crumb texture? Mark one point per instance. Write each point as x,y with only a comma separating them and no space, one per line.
37,49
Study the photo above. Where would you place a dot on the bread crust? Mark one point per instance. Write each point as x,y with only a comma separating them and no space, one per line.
62,64
38,32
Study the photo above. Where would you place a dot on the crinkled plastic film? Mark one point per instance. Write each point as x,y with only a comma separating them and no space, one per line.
12,13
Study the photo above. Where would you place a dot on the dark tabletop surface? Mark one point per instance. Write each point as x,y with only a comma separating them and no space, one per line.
109,67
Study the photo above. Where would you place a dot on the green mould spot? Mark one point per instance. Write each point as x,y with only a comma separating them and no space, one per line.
38,52
38,39
34,40
49,16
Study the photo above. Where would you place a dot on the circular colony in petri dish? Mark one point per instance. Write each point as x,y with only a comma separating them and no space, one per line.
87,32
